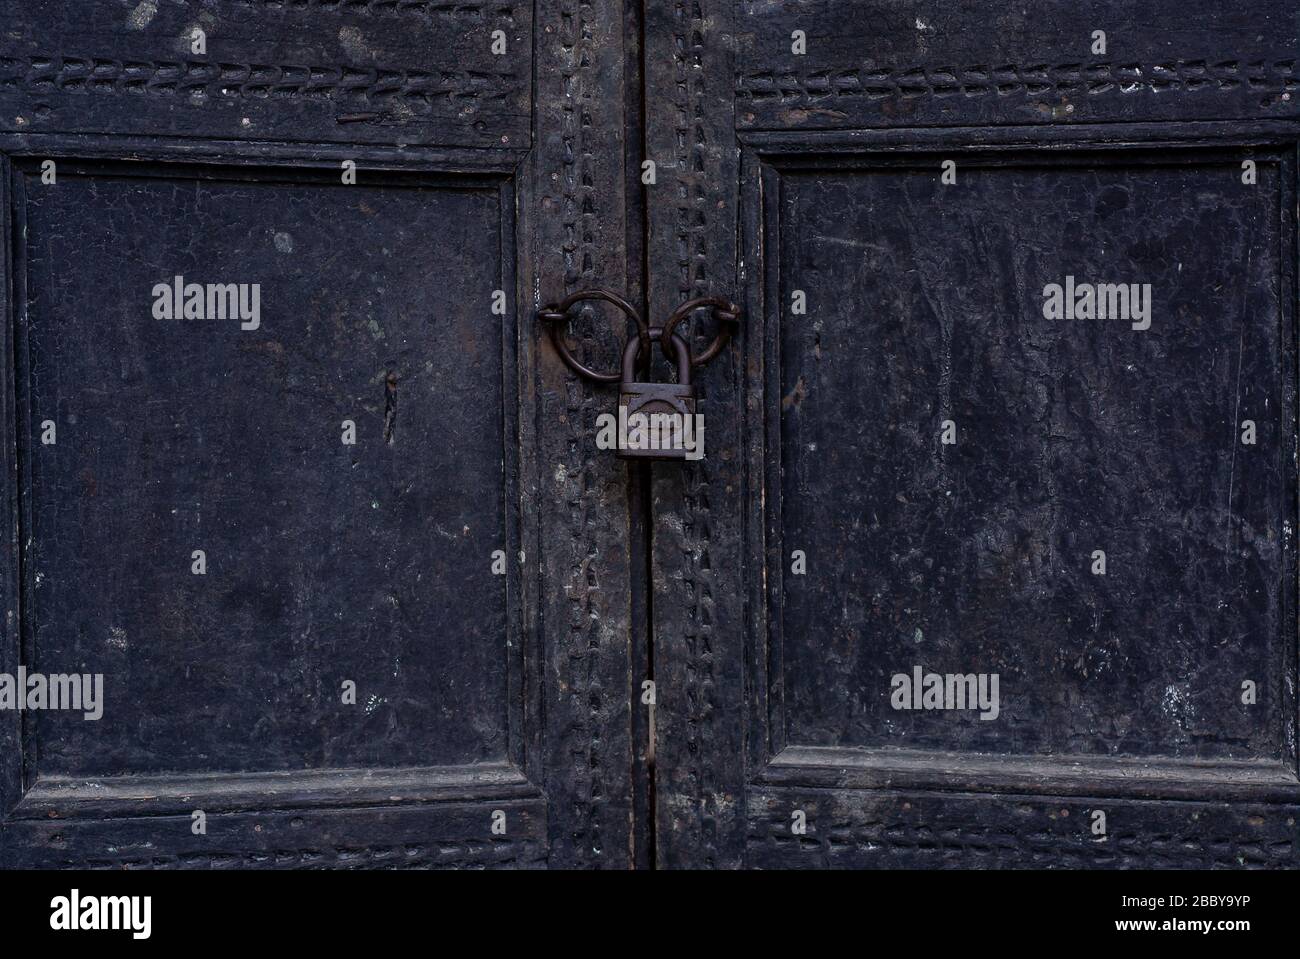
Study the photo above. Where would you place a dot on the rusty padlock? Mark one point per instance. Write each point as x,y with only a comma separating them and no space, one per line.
664,424
657,421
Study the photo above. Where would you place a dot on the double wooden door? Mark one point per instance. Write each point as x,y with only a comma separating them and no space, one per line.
991,557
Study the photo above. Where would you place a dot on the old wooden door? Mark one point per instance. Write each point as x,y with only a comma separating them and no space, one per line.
920,466
973,572
355,580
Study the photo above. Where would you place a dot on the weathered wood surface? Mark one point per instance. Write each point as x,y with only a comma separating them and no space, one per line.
374,71
775,172
820,173
326,562
930,63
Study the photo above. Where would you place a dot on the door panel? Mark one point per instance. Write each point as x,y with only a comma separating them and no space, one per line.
1121,694
1070,437
478,689
238,646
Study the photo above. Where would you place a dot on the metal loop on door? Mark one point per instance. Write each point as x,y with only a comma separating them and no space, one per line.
555,316
726,313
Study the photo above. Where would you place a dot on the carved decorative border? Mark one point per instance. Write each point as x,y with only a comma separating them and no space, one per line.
1039,80
408,91
469,854
902,844
420,8
697,181
582,465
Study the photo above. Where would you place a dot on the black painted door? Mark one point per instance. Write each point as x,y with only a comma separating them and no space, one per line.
927,473
290,464
331,530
